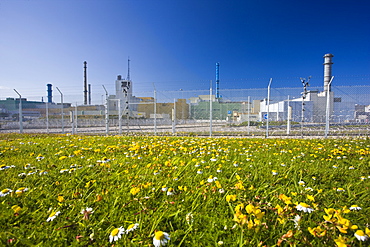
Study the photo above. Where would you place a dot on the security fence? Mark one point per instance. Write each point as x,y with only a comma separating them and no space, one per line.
268,112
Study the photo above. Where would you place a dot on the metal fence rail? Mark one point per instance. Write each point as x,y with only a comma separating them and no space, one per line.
344,111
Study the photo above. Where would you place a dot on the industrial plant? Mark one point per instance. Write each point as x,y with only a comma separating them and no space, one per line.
312,106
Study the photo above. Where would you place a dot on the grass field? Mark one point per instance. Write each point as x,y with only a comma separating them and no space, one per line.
60,190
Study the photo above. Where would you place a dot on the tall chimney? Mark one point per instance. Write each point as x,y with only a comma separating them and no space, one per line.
217,81
85,83
327,71
50,93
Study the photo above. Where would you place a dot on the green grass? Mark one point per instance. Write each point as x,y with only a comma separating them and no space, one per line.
123,179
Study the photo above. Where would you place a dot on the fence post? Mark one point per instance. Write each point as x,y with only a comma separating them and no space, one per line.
327,108
268,108
210,110
106,112
20,113
61,102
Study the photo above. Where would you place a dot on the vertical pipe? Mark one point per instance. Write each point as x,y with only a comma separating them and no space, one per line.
50,93
327,71
217,80
85,83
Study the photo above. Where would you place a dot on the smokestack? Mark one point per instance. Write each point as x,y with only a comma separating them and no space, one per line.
217,81
50,93
89,94
85,83
327,71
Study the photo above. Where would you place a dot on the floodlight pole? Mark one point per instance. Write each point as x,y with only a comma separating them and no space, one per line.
106,112
20,113
61,101
268,107
328,108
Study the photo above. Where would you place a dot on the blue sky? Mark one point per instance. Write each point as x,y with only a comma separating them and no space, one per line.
175,44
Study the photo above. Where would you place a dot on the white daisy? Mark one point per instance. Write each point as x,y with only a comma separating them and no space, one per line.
355,207
160,238
361,236
132,227
52,216
116,234
5,192
304,207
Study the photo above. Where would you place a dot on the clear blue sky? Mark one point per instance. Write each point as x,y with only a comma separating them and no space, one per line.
176,43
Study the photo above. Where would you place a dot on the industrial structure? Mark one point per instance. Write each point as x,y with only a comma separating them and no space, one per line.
312,107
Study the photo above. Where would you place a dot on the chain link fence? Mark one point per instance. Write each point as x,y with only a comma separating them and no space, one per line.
282,112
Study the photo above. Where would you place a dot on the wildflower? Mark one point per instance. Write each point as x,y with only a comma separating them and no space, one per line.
220,242
16,209
221,191
351,167
160,238
361,236
5,192
230,198
132,227
21,190
134,190
199,172
274,172
341,241
210,179
52,216
355,207
317,231
302,183
296,221
313,177
170,192
116,234
335,166
304,207
86,212
340,189
189,218
308,189
64,170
